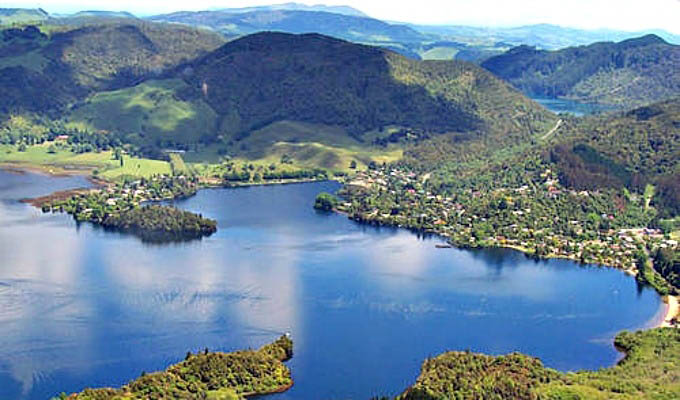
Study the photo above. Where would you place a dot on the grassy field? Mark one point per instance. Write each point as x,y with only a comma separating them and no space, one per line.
440,53
150,112
63,161
178,166
308,145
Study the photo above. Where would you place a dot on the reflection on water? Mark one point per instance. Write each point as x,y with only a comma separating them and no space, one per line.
92,308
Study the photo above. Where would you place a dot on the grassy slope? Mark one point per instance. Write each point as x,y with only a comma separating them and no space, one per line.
650,370
65,161
152,109
313,145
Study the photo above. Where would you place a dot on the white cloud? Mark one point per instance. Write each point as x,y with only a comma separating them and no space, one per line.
615,14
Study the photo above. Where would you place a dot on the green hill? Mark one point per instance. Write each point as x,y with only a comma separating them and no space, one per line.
319,100
270,77
44,73
630,73
628,149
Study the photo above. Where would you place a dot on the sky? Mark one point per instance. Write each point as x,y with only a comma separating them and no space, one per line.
629,15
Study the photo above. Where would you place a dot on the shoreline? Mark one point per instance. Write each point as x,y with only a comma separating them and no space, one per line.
43,169
672,306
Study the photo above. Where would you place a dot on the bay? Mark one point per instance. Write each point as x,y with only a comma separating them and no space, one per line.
83,307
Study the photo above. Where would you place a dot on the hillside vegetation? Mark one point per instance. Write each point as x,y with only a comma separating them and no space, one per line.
269,77
630,73
46,72
153,112
630,149
650,370
225,376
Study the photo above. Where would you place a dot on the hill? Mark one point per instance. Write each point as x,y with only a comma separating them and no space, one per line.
312,97
44,73
270,77
10,16
628,149
630,73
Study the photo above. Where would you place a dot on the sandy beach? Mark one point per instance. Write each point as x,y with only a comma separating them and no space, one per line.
672,309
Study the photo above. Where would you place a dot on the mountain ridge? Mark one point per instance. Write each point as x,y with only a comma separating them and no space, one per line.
629,73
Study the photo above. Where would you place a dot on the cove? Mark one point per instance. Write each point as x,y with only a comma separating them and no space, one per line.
83,307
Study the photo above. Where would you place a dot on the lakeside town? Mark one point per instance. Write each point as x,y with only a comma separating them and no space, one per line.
530,218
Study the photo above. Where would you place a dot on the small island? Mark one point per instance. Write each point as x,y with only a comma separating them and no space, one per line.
209,375
157,223
121,208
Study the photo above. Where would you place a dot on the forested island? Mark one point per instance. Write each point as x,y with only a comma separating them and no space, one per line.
209,375
120,207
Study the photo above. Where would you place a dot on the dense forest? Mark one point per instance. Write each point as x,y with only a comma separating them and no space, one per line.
650,370
209,375
633,72
156,223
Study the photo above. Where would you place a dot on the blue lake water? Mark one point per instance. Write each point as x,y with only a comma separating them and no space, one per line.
576,108
83,307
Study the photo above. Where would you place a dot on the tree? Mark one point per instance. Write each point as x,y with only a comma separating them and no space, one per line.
22,147
325,201
51,149
353,164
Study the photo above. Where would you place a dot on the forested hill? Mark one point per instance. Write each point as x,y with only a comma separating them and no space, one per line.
630,73
44,72
629,149
267,77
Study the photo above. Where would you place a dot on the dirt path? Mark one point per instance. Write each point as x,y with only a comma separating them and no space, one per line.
553,130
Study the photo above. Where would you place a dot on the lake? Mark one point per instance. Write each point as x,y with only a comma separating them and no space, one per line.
576,108
82,307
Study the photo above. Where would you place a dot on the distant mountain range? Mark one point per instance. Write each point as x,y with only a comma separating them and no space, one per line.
629,73
344,10
415,41
358,29
542,36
